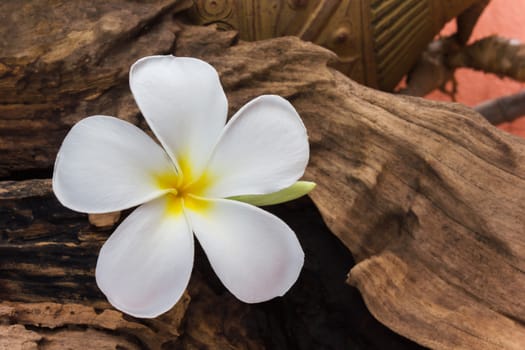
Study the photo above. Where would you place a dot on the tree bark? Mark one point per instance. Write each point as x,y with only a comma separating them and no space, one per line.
427,196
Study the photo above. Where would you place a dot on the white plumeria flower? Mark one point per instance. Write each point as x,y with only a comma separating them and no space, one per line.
196,182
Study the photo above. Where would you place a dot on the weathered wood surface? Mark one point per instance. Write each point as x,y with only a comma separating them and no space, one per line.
59,58
428,197
49,298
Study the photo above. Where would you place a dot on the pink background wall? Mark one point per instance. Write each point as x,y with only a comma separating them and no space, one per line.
505,18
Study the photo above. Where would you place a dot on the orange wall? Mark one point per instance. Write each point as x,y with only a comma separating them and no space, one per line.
505,18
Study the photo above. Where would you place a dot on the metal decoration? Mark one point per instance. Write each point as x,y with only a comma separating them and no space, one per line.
377,41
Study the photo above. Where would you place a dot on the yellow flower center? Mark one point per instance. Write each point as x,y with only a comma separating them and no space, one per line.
184,189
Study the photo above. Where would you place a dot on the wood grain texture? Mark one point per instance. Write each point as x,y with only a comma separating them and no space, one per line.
49,325
49,297
427,196
57,57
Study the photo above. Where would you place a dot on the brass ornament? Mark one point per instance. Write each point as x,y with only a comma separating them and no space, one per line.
377,41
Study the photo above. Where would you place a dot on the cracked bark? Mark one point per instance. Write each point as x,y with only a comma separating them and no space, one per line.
427,196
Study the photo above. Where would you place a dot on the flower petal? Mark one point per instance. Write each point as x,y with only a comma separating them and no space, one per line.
145,265
106,164
263,149
255,254
184,104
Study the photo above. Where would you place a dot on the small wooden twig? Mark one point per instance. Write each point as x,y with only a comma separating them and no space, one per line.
503,109
501,56
497,55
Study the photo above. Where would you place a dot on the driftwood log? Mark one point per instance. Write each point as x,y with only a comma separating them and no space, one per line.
428,197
